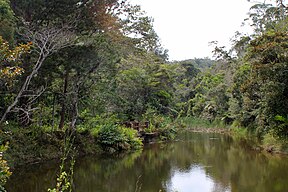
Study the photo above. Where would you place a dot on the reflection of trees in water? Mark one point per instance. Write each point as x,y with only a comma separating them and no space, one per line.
112,174
33,178
223,159
202,151
230,164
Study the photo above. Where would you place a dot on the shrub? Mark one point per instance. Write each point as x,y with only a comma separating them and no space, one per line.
168,132
131,138
271,142
161,124
114,137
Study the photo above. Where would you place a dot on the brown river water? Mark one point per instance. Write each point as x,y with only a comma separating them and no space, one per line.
196,162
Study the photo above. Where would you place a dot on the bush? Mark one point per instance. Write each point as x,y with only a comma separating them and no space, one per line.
131,138
168,132
116,138
270,142
161,124
93,124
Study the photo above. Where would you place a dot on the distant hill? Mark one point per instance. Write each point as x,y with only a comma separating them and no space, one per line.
199,63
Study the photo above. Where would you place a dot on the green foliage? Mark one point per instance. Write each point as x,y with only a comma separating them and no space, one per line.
118,71
7,21
93,123
197,63
248,84
239,132
264,92
62,183
161,124
31,144
272,143
281,127
281,119
201,123
114,137
131,137
143,81
5,173
168,132
109,134
211,100
266,16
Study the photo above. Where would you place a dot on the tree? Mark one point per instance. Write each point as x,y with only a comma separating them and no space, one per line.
7,21
49,31
47,40
267,85
11,65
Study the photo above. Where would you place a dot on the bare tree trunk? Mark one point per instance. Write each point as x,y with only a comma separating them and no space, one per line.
75,112
25,85
47,40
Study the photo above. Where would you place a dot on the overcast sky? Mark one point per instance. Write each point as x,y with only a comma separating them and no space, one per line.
186,27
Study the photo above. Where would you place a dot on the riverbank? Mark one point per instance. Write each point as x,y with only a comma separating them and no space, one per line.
31,145
267,143
36,146
210,130
197,159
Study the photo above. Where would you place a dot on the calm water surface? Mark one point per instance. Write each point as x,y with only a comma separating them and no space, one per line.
195,163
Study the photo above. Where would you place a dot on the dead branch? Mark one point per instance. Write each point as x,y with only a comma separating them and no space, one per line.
46,40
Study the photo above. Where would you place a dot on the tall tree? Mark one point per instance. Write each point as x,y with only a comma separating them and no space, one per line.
7,21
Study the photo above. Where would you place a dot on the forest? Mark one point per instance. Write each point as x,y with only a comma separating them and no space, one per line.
83,67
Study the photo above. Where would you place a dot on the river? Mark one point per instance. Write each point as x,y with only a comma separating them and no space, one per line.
196,162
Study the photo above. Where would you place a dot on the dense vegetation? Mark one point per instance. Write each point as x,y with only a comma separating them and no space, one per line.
247,86
84,67
78,69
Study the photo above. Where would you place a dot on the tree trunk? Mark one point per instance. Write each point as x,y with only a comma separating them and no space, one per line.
47,40
25,85
75,112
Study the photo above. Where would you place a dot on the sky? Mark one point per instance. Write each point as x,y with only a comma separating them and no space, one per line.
186,27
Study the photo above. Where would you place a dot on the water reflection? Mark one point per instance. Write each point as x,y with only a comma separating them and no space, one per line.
197,162
194,180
